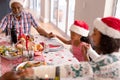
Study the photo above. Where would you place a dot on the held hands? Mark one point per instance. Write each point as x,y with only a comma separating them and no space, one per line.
50,35
44,33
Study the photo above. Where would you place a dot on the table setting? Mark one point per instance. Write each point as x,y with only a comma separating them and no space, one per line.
12,55
44,52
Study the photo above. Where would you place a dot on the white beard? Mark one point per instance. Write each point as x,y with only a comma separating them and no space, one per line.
17,15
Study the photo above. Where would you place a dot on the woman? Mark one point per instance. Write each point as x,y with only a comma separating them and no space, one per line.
106,39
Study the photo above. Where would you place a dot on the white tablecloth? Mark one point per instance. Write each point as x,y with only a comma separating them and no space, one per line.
61,57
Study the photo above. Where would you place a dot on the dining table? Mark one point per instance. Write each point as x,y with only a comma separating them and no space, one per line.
57,57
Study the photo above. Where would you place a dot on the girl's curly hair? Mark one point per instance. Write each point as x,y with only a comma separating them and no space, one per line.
108,44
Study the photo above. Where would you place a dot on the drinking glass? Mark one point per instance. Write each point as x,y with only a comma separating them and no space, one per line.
31,55
46,47
25,55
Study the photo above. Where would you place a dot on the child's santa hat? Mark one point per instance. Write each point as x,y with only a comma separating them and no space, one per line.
80,27
109,26
18,1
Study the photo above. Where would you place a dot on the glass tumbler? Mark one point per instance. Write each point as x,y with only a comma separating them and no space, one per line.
31,55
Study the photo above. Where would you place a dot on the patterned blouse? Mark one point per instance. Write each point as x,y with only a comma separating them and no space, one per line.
106,67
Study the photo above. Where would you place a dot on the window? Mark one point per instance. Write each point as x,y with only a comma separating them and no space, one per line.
117,12
62,14
34,6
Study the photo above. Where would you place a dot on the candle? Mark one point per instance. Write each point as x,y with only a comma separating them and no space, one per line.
46,77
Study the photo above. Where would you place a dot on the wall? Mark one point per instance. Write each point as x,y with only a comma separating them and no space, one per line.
4,8
88,10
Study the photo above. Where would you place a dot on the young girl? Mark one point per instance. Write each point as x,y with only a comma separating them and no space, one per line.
79,35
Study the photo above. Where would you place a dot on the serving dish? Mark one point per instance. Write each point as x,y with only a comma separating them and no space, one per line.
9,52
11,57
29,64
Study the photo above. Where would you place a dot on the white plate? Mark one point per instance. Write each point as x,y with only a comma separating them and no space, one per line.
9,57
22,64
54,45
57,48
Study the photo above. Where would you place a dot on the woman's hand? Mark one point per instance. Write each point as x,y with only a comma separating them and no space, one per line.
90,52
84,49
86,45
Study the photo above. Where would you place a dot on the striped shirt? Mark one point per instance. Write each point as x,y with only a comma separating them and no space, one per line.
23,25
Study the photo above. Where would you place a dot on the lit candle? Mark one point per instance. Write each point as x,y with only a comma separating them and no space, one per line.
46,77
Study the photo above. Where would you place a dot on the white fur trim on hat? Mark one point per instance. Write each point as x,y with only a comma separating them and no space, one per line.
105,29
79,30
18,1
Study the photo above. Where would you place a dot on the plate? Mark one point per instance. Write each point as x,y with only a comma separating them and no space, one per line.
9,53
54,45
9,57
29,64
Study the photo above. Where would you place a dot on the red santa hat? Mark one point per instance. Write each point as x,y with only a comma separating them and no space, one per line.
109,26
80,27
18,1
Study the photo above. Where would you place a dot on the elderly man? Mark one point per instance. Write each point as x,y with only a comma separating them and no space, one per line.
21,20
